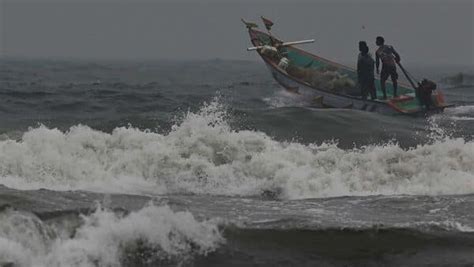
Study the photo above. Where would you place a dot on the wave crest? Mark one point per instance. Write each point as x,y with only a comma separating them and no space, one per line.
203,155
108,239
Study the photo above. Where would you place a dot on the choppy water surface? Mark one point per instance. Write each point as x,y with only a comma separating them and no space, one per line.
211,163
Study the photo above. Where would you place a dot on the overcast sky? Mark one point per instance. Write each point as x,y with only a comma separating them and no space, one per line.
424,32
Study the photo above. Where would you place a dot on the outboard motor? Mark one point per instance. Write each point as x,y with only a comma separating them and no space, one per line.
424,92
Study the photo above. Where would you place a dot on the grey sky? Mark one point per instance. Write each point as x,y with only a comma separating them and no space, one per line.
424,32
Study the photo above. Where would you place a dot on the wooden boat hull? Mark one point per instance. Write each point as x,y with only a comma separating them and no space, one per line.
326,99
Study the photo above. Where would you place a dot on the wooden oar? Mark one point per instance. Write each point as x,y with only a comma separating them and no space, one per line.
406,75
283,44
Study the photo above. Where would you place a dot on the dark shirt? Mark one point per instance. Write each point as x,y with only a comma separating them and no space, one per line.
365,68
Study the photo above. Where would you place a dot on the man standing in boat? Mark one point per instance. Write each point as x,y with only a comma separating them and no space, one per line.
365,72
389,58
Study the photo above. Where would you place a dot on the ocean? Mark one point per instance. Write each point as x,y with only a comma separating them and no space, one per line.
212,163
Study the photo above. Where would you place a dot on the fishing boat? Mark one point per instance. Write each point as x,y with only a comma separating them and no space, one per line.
407,102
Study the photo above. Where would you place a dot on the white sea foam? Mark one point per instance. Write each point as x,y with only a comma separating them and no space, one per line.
284,98
460,110
448,225
106,239
202,154
462,118
455,114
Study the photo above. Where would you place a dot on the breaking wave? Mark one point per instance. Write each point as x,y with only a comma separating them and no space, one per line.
153,234
202,154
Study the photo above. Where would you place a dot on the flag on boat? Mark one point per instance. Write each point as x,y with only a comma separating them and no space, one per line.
268,23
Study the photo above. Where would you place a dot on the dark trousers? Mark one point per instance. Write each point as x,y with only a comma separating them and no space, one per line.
368,87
